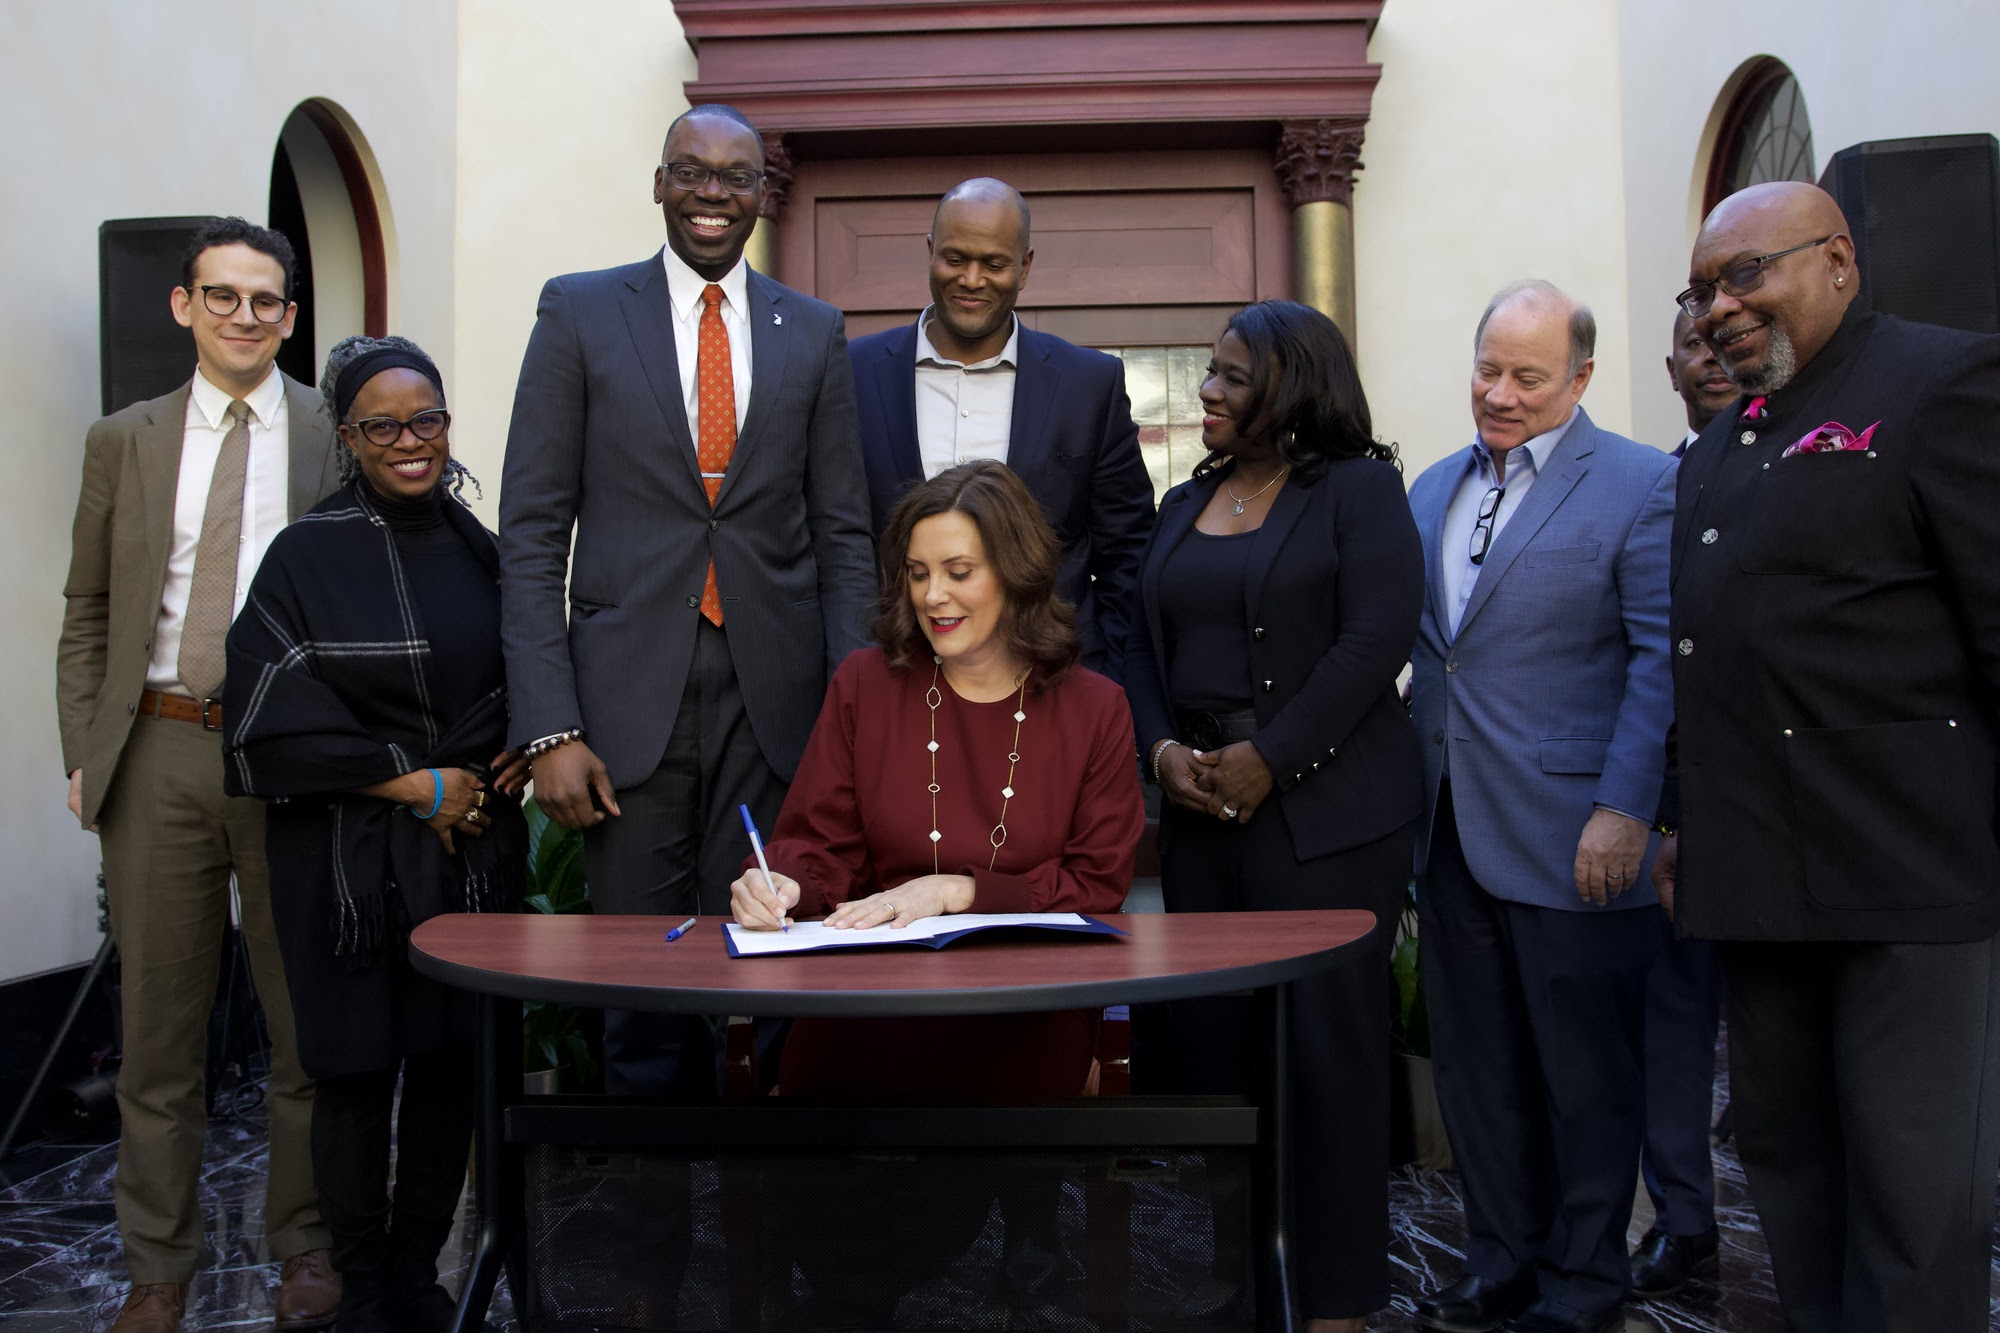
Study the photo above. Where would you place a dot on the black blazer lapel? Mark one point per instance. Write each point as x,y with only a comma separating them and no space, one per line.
770,348
1269,539
1183,505
1566,467
1036,381
895,373
649,314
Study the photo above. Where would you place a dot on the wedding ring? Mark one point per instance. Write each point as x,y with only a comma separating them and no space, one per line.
1229,812
1615,875
478,800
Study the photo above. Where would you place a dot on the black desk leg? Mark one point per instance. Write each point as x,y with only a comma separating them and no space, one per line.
1275,1306
497,1212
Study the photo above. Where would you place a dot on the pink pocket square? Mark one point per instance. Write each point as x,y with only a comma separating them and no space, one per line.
1832,438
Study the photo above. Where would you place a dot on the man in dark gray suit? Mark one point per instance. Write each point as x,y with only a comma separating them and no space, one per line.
692,424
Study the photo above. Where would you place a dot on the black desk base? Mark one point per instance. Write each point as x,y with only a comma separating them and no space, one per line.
509,1124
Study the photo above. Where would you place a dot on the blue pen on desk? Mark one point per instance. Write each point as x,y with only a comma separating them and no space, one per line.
682,929
757,846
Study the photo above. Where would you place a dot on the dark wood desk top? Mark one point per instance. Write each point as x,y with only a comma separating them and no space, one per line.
624,962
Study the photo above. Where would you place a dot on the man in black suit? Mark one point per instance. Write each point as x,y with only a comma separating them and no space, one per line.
968,381
1836,621
1682,1009
692,423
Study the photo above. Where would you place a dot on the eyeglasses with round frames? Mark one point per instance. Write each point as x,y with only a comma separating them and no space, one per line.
267,309
1739,279
385,431
692,176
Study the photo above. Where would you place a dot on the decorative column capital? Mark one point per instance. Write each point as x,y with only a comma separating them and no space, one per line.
1317,159
777,176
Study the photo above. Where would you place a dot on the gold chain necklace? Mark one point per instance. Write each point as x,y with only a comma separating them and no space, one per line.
934,697
1242,500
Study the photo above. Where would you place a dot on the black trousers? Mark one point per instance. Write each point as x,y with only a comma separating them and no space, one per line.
1682,1013
393,1239
673,852
1339,1027
1865,1087
1537,1015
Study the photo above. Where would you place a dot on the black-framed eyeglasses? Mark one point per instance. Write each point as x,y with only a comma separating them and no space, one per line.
267,308
693,175
385,431
1739,279
1482,527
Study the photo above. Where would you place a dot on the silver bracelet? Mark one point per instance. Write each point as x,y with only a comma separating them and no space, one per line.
1159,749
534,750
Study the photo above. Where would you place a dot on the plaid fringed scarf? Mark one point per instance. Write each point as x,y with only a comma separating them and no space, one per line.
330,690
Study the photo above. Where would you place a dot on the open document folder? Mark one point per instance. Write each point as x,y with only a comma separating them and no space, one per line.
933,931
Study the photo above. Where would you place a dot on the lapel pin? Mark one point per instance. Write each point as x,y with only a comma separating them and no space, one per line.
777,319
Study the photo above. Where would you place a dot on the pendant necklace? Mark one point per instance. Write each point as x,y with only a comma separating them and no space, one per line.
934,697
1242,500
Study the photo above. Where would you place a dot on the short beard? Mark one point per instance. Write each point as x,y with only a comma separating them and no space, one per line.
1779,366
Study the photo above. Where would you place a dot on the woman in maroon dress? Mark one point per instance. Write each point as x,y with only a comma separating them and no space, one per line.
966,764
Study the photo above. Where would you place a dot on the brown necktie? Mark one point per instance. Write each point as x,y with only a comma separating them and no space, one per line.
715,402
212,594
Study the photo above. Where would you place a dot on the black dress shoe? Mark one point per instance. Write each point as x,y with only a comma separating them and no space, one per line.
1476,1304
1663,1264
1549,1317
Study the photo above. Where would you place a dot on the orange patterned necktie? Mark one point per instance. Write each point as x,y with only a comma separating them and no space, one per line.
715,404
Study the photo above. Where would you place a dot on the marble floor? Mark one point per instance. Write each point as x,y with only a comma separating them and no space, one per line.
60,1267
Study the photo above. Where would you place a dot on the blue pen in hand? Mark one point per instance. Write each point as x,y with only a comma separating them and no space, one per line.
757,846
682,929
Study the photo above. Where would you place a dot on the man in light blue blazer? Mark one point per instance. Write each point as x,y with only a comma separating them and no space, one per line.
1542,693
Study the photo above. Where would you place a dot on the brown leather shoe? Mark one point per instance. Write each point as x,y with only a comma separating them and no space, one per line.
308,1292
153,1309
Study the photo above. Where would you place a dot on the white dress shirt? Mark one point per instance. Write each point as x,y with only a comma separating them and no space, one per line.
1523,464
684,289
265,490
963,411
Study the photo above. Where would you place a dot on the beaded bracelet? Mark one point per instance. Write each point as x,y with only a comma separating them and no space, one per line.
534,750
437,797
1159,749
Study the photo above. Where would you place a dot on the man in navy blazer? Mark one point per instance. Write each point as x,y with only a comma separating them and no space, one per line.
967,381
1542,695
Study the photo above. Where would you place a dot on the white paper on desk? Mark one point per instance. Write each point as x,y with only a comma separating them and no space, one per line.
935,931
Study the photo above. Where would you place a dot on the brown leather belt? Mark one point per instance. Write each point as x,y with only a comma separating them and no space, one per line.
181,708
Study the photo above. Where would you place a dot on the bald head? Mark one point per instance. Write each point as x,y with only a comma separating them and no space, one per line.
1544,297
1531,363
1777,205
980,258
985,191
1783,248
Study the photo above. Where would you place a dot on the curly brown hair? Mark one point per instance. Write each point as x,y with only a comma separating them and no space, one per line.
1036,623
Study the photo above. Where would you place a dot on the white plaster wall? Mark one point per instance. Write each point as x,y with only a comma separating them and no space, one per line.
1493,153
1867,71
561,113
339,305
133,109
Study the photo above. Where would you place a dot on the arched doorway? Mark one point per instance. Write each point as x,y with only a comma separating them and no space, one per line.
325,198
1764,134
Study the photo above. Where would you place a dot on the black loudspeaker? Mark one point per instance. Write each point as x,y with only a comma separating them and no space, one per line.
140,349
1926,220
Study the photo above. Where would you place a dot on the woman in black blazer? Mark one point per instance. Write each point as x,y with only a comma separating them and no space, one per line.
1279,600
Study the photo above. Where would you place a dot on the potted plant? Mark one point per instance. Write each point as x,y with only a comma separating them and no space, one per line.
1429,1148
560,1042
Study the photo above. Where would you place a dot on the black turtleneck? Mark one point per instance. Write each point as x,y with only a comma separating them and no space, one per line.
456,599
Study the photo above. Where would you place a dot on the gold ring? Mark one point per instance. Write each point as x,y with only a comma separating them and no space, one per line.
479,800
